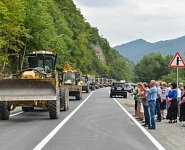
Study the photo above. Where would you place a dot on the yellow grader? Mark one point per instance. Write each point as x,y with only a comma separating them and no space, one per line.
70,80
38,86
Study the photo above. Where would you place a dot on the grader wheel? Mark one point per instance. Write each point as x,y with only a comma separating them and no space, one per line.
64,99
4,112
54,109
79,95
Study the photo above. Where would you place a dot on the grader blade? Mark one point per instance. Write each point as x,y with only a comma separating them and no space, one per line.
27,89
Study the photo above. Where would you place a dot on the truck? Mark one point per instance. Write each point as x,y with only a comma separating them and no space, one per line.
101,82
37,86
106,82
91,81
97,83
110,81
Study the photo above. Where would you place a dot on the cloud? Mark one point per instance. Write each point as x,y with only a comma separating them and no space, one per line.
121,21
98,3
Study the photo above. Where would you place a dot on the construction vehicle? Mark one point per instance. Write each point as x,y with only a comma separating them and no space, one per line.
84,82
97,83
37,86
91,81
70,80
106,82
101,82
110,81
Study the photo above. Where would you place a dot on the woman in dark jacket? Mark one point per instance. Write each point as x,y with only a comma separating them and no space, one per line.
173,108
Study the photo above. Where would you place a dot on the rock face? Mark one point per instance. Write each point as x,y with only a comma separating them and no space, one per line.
99,53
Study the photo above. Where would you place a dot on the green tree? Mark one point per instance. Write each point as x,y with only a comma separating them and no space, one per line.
12,32
152,67
58,26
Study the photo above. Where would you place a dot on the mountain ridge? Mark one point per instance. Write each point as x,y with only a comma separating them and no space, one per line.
137,49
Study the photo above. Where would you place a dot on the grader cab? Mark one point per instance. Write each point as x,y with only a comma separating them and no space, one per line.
38,86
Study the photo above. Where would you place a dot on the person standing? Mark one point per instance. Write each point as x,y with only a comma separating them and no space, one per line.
182,90
158,102
152,95
181,85
179,95
182,109
140,105
164,96
168,91
173,108
145,106
135,93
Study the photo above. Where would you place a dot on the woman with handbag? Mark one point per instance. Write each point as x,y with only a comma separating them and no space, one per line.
173,108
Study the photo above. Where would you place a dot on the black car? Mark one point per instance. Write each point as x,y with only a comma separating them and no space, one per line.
118,89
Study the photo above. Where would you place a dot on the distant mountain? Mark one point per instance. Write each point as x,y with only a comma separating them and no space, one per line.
135,50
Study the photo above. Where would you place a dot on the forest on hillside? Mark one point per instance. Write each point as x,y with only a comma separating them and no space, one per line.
58,26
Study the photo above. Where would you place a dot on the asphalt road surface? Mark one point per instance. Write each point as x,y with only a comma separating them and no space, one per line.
98,123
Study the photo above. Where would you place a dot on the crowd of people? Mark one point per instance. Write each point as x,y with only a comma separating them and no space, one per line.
158,101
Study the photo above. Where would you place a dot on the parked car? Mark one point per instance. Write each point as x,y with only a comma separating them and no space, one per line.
134,85
118,89
129,88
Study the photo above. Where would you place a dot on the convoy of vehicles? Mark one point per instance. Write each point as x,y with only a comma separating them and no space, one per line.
40,85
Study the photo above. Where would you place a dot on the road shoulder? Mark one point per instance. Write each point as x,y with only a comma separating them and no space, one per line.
169,135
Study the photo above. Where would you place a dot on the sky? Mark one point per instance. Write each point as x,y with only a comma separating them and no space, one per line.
122,21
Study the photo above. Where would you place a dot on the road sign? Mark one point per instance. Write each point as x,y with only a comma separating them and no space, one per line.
177,61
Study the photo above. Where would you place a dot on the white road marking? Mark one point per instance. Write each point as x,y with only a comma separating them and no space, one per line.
59,126
16,114
152,139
